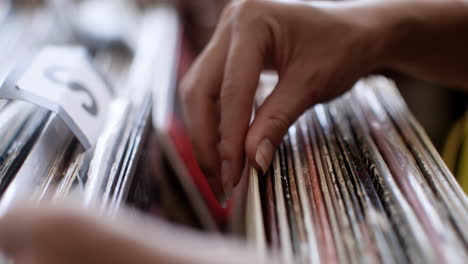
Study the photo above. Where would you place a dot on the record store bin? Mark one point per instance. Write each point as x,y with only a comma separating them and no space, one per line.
89,111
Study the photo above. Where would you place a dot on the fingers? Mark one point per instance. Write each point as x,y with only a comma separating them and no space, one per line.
55,234
243,67
273,119
225,75
200,92
22,227
201,17
52,234
18,227
11,238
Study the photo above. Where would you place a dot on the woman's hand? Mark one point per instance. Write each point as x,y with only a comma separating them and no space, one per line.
318,50
66,233
49,235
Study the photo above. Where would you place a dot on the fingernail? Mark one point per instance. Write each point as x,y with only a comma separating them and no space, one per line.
226,178
264,154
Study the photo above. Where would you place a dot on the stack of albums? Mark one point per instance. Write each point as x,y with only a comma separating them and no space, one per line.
56,87
357,180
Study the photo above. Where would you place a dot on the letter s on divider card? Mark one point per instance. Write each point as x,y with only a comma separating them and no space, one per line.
63,80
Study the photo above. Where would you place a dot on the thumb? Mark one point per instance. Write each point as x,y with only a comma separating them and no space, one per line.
272,120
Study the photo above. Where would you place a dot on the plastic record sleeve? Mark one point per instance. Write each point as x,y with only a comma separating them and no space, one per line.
360,234
401,214
407,175
302,181
322,174
316,199
373,209
438,182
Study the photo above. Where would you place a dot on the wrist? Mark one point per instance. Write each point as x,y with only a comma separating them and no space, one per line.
391,28
382,28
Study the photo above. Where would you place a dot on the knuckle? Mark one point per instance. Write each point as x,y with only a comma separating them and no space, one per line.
246,6
227,11
314,78
227,91
225,149
314,84
251,145
187,93
230,146
247,12
279,121
184,86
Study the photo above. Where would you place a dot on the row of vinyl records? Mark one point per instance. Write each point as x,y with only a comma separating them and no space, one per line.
355,180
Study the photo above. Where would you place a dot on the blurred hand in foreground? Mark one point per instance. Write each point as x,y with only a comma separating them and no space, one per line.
58,234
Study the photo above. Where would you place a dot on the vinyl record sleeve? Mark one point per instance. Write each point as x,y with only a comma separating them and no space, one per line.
287,255
171,133
292,223
303,253
404,220
438,182
18,139
53,139
271,211
330,204
254,215
316,199
379,225
347,209
403,169
302,183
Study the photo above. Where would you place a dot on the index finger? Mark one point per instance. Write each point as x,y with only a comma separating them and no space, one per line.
200,92
242,71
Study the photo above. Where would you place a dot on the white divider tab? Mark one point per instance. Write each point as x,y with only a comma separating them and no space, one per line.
63,79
